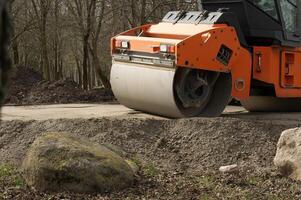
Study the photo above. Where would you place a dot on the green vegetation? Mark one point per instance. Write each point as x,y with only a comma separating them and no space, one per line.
206,181
253,180
10,176
137,161
206,197
150,170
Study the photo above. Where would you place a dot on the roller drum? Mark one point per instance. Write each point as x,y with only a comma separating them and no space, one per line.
145,88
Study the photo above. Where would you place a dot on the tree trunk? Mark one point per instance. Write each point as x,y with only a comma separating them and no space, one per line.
57,54
80,76
46,67
142,13
85,61
97,66
15,48
42,14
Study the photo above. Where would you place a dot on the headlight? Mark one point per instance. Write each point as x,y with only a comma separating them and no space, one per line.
166,48
163,48
122,44
125,45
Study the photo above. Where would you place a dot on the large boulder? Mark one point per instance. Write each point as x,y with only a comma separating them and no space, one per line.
288,156
59,162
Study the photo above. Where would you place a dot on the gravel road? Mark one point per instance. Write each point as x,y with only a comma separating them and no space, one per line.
77,111
90,111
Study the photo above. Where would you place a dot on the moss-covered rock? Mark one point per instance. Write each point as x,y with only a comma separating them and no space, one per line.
61,162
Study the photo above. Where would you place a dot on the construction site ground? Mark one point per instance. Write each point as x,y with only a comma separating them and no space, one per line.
178,158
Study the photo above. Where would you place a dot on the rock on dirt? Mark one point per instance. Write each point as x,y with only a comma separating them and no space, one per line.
60,162
27,87
229,168
288,156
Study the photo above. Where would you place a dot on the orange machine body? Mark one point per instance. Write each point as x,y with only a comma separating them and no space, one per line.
280,67
195,46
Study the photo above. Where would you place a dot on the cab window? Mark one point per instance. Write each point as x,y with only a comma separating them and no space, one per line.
289,13
268,6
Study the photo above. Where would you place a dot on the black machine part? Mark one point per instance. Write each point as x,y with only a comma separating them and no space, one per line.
262,22
5,63
257,22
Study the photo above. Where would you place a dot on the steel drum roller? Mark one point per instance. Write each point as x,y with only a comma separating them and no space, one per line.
145,88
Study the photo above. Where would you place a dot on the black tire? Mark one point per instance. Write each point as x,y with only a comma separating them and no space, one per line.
220,97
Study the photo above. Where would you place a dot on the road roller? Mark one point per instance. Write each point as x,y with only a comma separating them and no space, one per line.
193,63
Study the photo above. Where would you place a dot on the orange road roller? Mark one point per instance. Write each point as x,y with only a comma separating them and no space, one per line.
193,63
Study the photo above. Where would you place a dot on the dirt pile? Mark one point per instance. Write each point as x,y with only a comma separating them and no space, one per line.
27,87
178,159
20,84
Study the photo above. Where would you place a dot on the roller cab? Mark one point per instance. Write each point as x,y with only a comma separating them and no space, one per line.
184,66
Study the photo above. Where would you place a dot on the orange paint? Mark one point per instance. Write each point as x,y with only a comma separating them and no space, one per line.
280,67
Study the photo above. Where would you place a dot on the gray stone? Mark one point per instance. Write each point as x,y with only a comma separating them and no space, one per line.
59,162
229,168
288,156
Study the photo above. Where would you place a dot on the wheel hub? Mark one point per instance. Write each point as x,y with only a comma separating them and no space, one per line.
194,87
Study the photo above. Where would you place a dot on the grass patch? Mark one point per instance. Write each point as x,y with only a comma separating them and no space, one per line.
207,197
137,161
206,181
10,176
254,180
274,197
5,171
150,170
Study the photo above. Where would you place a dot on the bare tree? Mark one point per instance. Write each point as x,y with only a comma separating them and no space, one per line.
41,9
71,38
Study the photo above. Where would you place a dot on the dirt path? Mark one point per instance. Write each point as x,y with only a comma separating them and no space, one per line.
89,111
77,111
63,111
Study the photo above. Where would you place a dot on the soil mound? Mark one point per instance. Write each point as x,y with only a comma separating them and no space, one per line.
179,159
21,82
27,87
